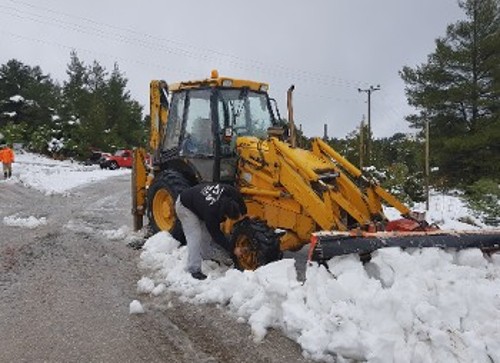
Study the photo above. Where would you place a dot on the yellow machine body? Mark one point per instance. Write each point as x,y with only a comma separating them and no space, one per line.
291,193
301,191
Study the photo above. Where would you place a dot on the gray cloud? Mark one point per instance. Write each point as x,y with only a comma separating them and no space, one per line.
327,48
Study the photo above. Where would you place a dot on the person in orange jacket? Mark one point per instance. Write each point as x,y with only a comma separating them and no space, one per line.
7,158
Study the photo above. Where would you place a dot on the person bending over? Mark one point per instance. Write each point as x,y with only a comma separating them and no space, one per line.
201,209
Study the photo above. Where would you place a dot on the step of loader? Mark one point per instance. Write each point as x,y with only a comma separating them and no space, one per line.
328,244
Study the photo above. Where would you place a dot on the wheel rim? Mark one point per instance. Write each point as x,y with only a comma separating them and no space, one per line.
163,210
248,260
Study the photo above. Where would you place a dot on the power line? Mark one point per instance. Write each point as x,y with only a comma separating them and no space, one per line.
156,65
164,45
71,48
198,53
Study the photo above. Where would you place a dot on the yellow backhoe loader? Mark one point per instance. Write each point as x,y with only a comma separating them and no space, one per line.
225,129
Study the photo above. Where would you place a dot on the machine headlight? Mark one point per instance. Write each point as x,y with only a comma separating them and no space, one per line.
227,83
264,87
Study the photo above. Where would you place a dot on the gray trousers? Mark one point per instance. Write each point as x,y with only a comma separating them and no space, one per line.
7,169
199,242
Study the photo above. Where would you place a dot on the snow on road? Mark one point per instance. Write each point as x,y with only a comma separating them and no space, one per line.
56,177
29,222
403,306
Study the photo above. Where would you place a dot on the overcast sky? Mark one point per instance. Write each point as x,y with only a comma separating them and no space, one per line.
326,48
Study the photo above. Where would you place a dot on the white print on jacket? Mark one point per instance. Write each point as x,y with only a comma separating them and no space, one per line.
212,193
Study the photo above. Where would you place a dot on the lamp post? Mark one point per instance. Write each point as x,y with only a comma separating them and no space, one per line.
369,91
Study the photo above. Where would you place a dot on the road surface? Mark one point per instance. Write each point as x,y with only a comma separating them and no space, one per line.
65,290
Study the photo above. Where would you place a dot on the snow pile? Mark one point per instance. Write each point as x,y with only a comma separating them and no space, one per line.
30,222
54,176
416,306
136,307
124,233
447,211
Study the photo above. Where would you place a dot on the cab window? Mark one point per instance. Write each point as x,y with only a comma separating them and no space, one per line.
246,112
174,123
198,137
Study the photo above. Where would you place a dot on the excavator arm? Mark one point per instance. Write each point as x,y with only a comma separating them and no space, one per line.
140,170
320,194
139,179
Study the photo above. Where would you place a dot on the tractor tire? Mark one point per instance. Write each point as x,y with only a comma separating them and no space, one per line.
162,195
260,242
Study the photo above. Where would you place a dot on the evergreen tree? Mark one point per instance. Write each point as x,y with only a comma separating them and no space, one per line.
457,92
27,96
124,125
401,159
107,116
91,110
75,92
76,101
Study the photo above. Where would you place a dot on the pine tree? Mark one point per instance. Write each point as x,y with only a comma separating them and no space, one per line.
107,117
28,98
457,92
124,115
93,109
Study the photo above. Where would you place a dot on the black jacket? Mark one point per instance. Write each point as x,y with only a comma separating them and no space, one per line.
213,203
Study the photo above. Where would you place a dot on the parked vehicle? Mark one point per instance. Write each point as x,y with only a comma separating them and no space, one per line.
120,159
95,157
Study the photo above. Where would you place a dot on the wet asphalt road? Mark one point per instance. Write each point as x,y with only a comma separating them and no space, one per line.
65,291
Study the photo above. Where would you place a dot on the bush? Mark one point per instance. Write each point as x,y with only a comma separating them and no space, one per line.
13,133
484,196
406,186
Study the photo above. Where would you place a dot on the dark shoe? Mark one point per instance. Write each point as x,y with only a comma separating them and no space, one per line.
199,275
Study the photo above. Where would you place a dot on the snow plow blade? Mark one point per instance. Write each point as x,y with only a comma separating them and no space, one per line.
325,245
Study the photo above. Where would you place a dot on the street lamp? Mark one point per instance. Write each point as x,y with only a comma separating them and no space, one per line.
369,138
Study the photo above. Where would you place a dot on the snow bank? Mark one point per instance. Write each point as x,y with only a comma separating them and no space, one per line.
54,176
415,306
30,222
447,211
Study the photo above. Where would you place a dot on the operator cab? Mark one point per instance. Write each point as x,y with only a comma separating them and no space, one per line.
206,117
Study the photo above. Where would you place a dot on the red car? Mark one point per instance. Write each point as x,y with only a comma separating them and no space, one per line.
120,159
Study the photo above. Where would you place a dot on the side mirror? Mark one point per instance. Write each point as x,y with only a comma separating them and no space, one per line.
228,135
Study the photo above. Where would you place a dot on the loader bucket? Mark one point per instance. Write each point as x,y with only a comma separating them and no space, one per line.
325,245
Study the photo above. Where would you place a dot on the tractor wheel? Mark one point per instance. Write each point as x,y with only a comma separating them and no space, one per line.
162,195
113,165
258,240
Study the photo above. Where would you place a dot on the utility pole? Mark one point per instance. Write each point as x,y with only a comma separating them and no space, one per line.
361,142
289,104
299,141
369,137
427,169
